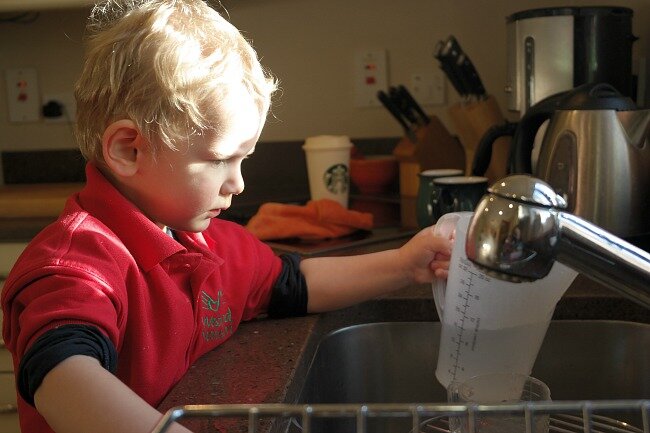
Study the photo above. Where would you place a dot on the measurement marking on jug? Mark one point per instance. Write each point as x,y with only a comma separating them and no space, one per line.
463,323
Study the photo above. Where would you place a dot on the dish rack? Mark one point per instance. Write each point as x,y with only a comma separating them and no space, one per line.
564,416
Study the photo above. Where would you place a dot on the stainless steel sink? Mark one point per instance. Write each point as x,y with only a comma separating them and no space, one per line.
395,362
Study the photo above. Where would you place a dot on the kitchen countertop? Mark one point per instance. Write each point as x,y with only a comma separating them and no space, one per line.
266,360
35,200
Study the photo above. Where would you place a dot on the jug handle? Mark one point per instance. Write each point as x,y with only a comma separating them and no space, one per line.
483,154
523,139
445,227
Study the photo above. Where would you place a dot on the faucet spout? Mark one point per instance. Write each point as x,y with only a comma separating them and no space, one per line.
519,229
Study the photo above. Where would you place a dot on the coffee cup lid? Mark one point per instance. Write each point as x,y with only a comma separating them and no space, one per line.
329,142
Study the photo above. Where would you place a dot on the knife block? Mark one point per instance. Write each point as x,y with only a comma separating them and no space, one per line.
435,147
472,120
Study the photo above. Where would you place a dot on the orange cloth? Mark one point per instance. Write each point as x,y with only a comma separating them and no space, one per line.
318,219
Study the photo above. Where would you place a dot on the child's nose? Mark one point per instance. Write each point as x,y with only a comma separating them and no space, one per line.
235,183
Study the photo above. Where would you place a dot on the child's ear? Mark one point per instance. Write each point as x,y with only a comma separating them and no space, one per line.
122,145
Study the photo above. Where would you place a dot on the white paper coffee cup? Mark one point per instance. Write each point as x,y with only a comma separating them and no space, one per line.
328,162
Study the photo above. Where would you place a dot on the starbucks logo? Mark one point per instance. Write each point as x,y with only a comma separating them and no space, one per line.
336,179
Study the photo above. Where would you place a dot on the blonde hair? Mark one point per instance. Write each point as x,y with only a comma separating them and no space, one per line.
161,63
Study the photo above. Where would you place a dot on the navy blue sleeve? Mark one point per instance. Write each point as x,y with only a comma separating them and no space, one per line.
289,295
57,345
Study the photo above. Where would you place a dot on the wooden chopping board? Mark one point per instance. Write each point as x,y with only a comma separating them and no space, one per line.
35,200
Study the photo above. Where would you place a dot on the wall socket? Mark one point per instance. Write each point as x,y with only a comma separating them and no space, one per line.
371,76
67,104
22,95
428,88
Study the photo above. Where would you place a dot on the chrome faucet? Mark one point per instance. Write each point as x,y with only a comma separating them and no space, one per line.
519,229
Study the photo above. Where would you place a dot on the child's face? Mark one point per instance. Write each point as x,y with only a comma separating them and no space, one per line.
184,189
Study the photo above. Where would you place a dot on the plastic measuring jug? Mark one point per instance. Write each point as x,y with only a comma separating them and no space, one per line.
490,325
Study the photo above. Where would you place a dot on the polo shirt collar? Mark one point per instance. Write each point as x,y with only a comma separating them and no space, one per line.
148,244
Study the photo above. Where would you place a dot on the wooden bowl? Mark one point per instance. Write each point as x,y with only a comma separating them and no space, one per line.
373,174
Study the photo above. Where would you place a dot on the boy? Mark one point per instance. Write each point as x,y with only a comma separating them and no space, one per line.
108,306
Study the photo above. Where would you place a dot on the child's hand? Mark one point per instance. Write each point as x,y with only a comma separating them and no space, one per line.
426,256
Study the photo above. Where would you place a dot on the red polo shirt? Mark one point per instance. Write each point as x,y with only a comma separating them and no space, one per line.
163,303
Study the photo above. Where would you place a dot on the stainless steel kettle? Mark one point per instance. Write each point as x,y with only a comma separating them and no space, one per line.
595,153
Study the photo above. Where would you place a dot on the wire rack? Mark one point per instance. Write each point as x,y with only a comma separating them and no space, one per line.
600,416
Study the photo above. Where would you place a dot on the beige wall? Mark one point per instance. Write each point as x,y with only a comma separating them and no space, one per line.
310,45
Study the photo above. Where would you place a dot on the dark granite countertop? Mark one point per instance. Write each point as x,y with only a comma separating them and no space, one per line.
266,360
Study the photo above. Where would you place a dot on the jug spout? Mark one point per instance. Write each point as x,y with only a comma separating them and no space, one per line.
636,124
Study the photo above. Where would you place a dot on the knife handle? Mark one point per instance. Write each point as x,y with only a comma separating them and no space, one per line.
453,79
476,85
450,74
386,102
455,52
447,53
402,105
451,47
406,95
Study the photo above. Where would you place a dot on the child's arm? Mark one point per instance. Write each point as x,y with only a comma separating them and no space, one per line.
79,395
337,282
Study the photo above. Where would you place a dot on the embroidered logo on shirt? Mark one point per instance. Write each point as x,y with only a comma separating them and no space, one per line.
215,326
209,303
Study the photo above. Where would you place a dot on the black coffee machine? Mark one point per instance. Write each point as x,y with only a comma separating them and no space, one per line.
556,49
552,50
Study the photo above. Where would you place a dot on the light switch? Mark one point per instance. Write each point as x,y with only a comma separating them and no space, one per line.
370,77
22,94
